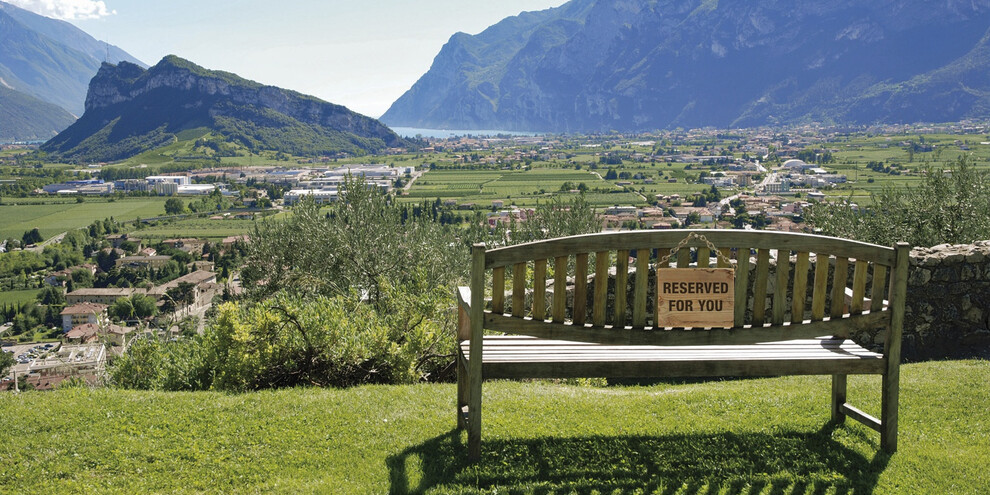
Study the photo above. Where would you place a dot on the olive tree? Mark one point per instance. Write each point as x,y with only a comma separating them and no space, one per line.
552,218
352,245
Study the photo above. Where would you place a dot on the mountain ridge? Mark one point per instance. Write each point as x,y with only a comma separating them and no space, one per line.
130,110
592,65
50,59
26,118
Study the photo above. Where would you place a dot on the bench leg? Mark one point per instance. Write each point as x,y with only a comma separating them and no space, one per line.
474,414
838,398
888,412
462,393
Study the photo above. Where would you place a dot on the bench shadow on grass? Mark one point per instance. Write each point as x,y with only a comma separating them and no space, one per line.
786,463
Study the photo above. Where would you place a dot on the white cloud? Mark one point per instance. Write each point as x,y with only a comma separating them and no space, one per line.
66,9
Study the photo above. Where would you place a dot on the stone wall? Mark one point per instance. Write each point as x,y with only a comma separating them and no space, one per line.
948,305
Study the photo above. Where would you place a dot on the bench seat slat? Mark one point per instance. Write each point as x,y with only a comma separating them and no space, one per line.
608,355
516,357
521,342
810,349
656,369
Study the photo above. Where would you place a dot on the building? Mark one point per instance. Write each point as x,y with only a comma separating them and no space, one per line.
92,189
380,176
290,178
205,283
797,165
719,181
166,189
620,210
227,242
782,186
57,279
89,333
83,361
83,334
128,185
178,180
101,296
82,313
73,186
682,213
196,189
320,196
118,335
187,244
142,261
117,239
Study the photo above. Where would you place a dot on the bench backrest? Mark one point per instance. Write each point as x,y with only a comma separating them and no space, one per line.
560,288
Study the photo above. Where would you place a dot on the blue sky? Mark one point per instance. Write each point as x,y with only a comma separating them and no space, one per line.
359,53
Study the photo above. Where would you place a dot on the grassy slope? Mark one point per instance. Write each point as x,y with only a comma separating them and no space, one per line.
752,436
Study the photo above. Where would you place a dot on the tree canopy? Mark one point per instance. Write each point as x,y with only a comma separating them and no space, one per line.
354,244
32,236
174,206
136,306
6,362
950,205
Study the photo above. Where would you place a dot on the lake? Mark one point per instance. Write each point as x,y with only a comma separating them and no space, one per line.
449,133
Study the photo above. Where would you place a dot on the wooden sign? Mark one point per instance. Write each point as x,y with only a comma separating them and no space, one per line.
695,297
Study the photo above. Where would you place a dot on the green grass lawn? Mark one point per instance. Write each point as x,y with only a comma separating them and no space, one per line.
745,436
59,217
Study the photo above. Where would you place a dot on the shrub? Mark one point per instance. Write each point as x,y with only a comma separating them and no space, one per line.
289,340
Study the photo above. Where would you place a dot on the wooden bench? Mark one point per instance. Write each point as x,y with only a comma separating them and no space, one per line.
575,307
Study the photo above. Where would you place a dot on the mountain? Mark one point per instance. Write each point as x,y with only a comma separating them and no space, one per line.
49,59
130,110
599,65
26,118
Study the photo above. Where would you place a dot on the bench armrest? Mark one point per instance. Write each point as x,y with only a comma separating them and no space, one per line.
464,297
463,313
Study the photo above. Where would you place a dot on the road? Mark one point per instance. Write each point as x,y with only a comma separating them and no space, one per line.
48,242
770,177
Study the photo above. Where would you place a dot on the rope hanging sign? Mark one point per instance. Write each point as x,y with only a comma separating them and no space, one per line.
695,297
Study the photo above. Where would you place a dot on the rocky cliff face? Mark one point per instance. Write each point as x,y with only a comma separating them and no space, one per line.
130,110
595,65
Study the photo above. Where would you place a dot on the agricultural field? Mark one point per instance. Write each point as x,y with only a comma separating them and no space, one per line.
909,154
202,228
526,187
895,148
14,297
52,217
520,187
